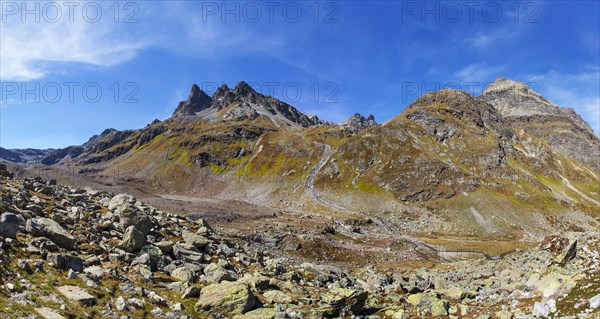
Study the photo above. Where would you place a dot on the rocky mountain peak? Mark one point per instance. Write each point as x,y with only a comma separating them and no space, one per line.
456,99
196,102
241,104
243,89
357,123
221,91
515,98
107,131
195,90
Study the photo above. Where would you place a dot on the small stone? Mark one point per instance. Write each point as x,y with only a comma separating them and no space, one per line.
146,273
94,272
48,313
191,292
277,297
23,264
504,314
595,302
75,293
178,307
71,274
135,302
183,274
120,304
540,309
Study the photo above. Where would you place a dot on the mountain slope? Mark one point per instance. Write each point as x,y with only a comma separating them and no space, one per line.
450,162
533,116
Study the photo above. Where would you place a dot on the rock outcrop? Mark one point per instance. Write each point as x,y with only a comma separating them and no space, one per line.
357,123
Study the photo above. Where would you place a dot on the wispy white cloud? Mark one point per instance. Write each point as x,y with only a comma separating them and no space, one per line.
185,31
33,50
478,72
30,50
484,39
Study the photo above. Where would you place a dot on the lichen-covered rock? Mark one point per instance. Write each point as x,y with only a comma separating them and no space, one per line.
277,297
188,253
346,300
183,274
260,313
554,285
120,202
225,298
429,304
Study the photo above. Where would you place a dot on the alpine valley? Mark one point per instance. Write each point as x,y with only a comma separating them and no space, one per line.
241,205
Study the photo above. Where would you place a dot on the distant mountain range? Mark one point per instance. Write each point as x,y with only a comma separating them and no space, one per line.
506,162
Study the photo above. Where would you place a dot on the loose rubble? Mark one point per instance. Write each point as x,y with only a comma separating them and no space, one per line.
80,253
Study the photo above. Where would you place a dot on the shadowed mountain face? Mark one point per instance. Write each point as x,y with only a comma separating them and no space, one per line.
22,155
498,163
241,103
196,102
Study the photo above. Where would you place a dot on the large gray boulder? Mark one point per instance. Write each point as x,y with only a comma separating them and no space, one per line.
133,240
9,224
64,261
215,274
123,205
119,202
45,227
131,215
183,274
195,240
188,253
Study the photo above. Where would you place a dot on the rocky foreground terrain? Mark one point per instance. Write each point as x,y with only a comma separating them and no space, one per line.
67,252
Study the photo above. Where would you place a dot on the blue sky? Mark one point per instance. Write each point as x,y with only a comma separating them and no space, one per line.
329,58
